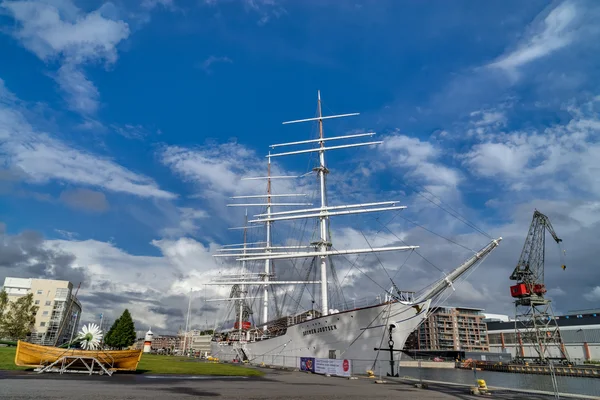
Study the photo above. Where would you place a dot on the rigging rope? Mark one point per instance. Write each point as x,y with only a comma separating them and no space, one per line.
457,215
364,330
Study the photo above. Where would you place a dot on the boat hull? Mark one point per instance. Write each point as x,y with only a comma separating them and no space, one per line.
34,355
349,335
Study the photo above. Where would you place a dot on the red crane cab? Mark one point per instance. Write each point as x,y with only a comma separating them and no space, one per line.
519,290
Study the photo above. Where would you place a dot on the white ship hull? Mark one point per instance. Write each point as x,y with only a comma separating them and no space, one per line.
351,334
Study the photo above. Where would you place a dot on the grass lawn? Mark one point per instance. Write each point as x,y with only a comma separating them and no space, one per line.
155,364
7,359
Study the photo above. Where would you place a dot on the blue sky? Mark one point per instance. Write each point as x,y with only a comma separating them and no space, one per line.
125,126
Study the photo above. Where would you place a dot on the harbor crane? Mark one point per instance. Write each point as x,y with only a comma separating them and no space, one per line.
535,324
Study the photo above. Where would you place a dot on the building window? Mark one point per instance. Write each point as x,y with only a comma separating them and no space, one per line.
39,292
45,313
48,302
42,324
37,302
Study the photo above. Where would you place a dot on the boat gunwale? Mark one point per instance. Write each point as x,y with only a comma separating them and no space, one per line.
74,352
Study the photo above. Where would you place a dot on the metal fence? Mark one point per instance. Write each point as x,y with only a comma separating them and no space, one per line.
542,381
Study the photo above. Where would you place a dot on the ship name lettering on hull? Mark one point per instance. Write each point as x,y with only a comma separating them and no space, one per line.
319,330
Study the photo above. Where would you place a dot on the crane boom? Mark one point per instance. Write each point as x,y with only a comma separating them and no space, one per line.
530,267
536,329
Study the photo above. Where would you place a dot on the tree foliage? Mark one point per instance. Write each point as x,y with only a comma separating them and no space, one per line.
108,337
122,332
3,306
17,318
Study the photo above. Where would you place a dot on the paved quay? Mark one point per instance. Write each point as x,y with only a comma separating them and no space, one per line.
274,385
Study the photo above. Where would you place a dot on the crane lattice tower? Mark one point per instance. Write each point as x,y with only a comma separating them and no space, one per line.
535,324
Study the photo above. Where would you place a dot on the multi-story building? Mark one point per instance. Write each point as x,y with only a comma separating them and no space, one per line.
196,341
166,344
59,312
452,328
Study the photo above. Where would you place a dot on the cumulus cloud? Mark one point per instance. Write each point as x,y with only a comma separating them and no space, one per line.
421,160
25,255
59,31
593,295
536,158
42,158
145,284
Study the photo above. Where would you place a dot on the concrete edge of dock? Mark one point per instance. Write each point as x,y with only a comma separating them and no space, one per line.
492,388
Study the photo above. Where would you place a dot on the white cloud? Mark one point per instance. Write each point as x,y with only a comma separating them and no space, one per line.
206,64
559,156
491,159
266,9
557,291
186,222
553,33
488,117
149,281
216,168
81,93
422,161
593,295
60,31
43,158
150,4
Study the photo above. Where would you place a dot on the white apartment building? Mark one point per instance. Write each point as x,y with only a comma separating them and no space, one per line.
59,312
195,341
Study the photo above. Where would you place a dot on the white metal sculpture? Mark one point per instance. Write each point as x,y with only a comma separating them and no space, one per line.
90,337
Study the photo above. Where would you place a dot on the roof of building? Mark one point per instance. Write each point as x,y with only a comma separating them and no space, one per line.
588,311
562,320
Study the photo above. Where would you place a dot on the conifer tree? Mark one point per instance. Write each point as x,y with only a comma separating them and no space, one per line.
122,332
109,338
126,329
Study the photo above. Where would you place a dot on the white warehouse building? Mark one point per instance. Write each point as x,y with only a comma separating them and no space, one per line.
579,330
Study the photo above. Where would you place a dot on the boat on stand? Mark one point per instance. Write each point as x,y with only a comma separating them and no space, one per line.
348,330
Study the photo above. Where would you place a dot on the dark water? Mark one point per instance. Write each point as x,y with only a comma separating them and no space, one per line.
566,384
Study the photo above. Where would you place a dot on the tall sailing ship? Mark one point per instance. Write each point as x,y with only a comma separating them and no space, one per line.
345,331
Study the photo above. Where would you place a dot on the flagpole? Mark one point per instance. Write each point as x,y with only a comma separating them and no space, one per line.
187,322
101,319
74,316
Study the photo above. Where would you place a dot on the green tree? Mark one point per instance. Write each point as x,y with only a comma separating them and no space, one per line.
18,317
3,306
127,334
122,332
109,338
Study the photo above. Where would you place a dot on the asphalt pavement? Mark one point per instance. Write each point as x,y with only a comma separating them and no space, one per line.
276,384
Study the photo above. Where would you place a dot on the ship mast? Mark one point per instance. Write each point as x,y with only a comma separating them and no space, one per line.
231,250
324,244
265,313
322,249
243,287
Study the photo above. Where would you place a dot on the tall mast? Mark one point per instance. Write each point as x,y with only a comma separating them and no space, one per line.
324,243
267,250
263,279
242,287
323,248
